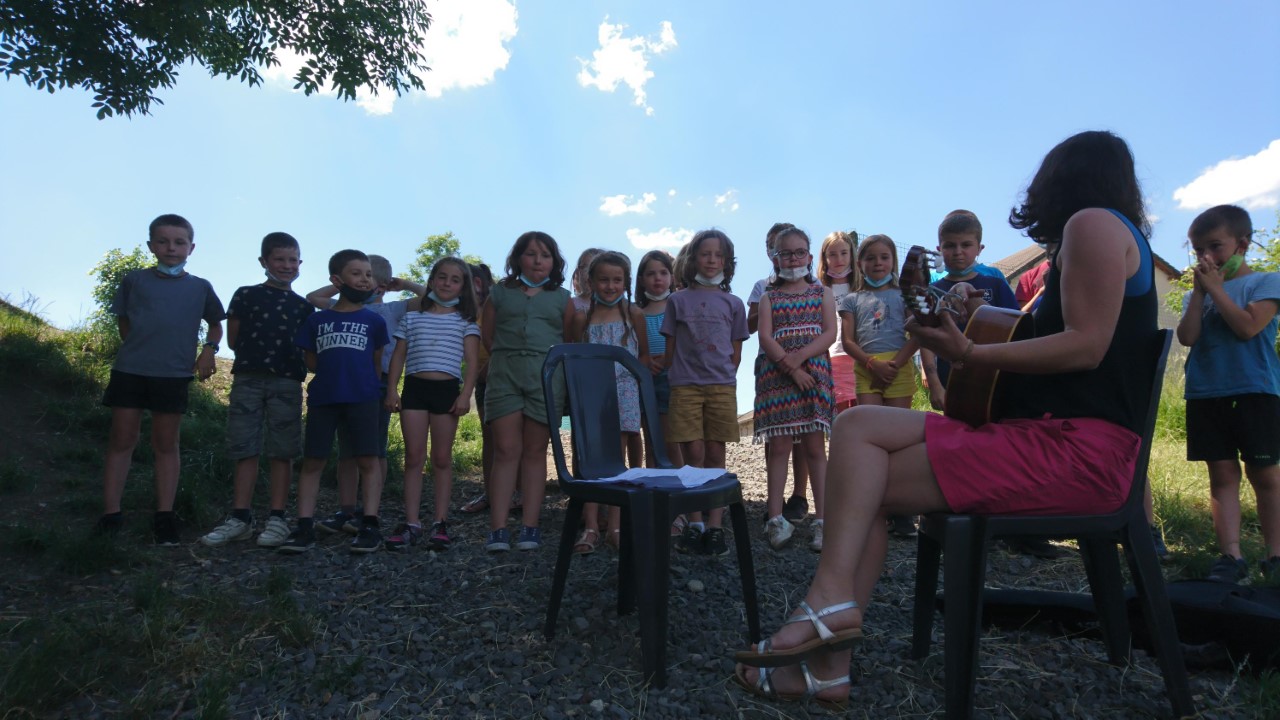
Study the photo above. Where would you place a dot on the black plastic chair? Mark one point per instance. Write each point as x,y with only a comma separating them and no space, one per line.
964,540
647,509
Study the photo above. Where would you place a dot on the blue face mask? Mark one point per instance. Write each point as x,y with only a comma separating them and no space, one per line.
877,283
278,281
606,303
530,283
171,270
443,303
961,273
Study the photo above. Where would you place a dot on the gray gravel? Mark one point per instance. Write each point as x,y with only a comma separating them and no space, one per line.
459,635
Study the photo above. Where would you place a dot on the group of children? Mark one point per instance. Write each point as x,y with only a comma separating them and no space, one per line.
832,334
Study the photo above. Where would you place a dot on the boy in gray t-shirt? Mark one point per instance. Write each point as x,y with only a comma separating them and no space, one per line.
159,311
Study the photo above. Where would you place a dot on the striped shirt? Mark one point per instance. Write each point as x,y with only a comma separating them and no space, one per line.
653,327
435,341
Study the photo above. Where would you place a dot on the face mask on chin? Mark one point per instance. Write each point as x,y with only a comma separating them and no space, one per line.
795,273
352,295
443,303
713,281
529,283
877,283
659,297
171,270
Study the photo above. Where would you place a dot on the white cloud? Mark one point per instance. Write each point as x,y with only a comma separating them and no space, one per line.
728,202
465,47
671,193
624,60
664,238
1252,181
615,205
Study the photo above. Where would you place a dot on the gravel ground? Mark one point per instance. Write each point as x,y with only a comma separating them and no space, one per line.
458,634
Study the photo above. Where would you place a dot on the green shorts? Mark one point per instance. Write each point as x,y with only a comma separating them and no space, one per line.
515,385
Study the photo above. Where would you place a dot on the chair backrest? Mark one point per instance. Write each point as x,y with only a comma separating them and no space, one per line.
591,395
1157,355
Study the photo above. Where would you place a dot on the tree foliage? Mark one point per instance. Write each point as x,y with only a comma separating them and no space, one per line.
124,50
436,247
107,275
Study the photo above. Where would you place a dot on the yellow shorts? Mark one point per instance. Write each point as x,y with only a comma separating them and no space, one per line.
703,412
904,385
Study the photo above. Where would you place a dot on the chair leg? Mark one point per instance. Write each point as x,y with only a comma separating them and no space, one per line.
964,568
928,562
1102,567
1149,583
568,532
651,584
627,571
746,568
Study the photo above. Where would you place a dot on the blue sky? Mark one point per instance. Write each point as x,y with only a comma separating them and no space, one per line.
875,116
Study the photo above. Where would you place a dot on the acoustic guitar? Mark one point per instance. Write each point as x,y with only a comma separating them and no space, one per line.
973,393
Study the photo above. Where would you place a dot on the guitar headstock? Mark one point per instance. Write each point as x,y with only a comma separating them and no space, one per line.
914,282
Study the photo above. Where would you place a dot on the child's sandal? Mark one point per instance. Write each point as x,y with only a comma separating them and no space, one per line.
587,542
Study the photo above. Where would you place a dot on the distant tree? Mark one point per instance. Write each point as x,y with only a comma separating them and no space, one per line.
108,274
436,247
123,50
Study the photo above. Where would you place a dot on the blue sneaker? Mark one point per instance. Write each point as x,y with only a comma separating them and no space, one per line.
530,538
499,541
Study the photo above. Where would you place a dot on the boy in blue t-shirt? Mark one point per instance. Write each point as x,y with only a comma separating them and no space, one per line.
344,348
158,311
346,518
266,388
1233,383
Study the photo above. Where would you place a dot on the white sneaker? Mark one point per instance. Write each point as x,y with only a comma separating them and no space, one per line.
816,543
274,533
230,529
779,531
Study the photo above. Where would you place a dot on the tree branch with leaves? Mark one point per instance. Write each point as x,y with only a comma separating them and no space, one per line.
124,50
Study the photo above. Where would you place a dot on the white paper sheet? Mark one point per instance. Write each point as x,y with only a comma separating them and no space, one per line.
687,476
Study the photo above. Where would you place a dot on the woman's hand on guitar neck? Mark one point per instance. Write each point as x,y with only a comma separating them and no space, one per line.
946,340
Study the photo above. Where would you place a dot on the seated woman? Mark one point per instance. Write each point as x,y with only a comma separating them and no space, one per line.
1067,440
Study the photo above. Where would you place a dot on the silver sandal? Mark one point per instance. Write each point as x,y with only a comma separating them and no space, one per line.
763,687
763,655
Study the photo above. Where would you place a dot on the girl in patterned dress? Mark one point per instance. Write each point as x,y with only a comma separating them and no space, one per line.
794,393
611,319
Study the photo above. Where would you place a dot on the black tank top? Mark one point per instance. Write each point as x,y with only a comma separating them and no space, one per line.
1117,390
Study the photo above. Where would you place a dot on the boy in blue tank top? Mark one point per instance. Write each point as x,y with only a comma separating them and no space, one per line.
1233,383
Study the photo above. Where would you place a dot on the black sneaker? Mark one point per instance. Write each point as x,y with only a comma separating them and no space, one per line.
1227,569
405,535
1270,569
368,540
691,541
299,541
902,526
439,539
713,542
165,526
109,525
796,508
337,522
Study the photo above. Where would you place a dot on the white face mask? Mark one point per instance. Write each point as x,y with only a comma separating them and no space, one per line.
795,273
657,298
171,270
710,281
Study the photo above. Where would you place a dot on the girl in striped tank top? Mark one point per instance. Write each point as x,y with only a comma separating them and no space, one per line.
794,392
432,347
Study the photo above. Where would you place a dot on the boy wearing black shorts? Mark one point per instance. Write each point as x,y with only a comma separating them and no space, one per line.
343,347
158,311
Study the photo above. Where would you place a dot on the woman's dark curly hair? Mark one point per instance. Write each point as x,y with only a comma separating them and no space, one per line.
1089,169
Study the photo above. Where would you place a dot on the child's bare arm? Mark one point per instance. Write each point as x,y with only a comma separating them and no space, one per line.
233,332
401,284
1245,322
1189,325
642,335
577,326
392,400
205,363
122,324
309,359
471,361
571,334
321,296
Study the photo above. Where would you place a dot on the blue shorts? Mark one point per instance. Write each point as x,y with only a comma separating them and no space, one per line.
384,426
356,423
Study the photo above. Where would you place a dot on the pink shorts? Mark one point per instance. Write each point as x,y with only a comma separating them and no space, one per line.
846,383
1032,467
